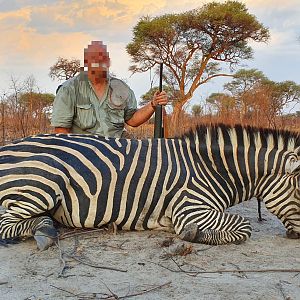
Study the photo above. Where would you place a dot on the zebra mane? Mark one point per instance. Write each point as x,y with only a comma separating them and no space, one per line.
253,136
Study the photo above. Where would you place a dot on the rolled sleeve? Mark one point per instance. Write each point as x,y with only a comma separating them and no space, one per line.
131,106
63,108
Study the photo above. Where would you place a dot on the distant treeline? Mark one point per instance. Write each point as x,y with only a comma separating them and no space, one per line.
25,110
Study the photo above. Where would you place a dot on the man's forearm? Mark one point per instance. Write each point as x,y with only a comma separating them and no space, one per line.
141,115
61,130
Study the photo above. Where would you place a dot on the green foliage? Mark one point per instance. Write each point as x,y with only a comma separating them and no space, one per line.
197,110
222,102
251,90
245,80
288,91
194,45
283,93
36,101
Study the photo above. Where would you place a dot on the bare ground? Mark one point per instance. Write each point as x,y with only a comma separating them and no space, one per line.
146,266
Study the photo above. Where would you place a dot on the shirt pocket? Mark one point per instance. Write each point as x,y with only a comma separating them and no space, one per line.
85,116
117,100
115,115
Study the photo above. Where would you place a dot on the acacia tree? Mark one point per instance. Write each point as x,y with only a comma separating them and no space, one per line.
253,96
224,103
195,46
243,87
64,69
197,110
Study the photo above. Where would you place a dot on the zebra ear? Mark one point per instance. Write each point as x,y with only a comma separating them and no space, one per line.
292,166
297,151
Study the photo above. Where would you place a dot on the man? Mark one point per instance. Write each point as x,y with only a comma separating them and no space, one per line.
95,103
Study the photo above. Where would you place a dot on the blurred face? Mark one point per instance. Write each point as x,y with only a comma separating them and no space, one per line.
97,62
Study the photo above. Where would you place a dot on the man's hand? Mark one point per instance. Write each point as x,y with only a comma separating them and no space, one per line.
159,98
144,113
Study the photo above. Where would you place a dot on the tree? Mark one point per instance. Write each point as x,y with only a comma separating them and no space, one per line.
37,103
245,80
25,110
196,110
195,46
285,92
255,98
278,95
224,103
64,69
243,88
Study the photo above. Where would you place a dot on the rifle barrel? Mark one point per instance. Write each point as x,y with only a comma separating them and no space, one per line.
158,121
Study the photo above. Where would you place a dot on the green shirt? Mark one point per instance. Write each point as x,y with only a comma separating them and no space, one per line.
77,106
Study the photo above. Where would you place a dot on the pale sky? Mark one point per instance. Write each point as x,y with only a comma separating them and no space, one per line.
34,33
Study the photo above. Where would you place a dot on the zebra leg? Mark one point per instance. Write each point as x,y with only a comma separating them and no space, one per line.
212,227
260,218
14,224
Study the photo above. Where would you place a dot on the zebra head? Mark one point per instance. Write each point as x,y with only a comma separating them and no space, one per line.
293,168
288,196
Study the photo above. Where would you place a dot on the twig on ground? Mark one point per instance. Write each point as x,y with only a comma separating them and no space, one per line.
253,271
207,248
67,235
190,273
146,291
242,274
96,266
282,291
250,270
115,247
61,259
61,289
195,273
112,295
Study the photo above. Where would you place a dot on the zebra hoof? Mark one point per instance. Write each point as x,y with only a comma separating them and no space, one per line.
43,242
45,237
292,234
189,232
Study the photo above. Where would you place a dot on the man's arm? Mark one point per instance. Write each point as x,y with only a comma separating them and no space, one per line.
143,114
63,110
61,130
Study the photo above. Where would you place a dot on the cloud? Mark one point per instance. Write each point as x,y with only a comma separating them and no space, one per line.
26,46
98,15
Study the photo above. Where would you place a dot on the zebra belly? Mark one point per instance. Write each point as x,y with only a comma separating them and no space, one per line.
62,216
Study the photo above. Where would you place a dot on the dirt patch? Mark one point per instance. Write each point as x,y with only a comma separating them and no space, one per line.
152,265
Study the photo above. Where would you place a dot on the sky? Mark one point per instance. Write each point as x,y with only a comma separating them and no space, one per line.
34,33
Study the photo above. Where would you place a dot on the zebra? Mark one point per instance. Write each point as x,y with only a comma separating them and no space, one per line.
182,185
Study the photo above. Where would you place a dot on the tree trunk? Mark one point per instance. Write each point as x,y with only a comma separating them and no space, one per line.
176,124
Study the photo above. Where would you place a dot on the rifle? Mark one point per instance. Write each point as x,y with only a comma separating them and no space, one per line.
158,121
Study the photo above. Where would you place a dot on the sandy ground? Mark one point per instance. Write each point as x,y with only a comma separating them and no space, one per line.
146,264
